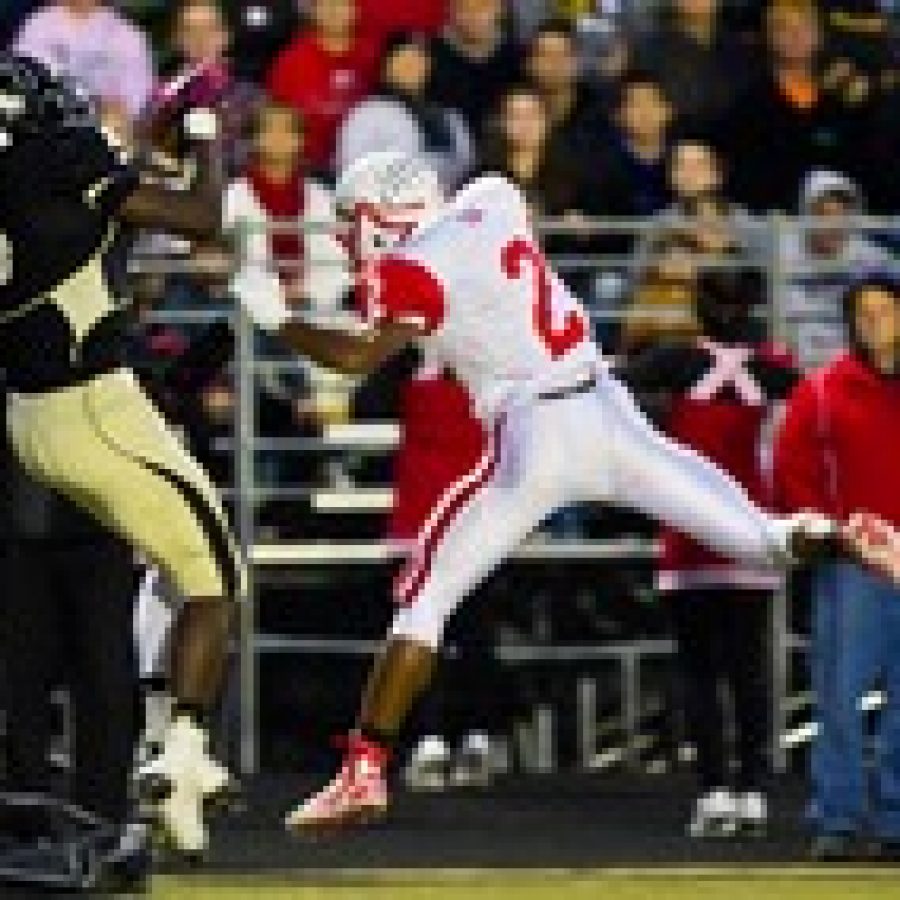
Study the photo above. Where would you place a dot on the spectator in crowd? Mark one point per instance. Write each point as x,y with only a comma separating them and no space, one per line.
202,78
715,395
473,60
820,257
288,221
701,65
700,210
576,118
837,453
795,114
630,166
699,230
519,145
268,201
402,116
662,301
93,44
323,73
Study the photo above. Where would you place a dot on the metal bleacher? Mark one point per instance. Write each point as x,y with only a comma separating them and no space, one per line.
269,555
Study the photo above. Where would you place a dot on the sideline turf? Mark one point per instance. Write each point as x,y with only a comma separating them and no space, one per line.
802,883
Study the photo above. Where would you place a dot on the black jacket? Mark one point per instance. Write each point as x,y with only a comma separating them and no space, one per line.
770,144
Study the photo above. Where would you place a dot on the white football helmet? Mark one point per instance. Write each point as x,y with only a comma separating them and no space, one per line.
383,197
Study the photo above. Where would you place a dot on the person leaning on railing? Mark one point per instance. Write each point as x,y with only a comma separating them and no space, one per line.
700,227
837,453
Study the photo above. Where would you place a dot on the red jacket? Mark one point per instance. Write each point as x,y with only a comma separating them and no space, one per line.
441,441
838,447
381,17
323,87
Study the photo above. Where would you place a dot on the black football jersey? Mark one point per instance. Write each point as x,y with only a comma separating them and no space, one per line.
59,193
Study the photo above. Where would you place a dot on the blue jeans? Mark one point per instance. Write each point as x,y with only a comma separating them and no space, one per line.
856,641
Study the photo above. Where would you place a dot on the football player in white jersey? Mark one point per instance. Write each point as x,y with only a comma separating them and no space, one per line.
464,279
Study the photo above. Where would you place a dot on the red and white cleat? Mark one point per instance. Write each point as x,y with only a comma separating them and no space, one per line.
358,794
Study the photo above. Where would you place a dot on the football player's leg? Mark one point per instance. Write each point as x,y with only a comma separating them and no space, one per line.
471,531
99,580
163,501
474,528
121,462
482,536
679,487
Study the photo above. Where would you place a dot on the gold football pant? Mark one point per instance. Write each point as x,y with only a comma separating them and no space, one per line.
106,446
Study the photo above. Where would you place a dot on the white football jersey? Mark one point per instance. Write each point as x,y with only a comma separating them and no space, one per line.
490,307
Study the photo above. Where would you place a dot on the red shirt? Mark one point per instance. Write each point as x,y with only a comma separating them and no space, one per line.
719,398
323,86
442,440
837,449
380,17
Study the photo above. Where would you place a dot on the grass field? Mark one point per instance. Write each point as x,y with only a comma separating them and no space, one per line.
790,883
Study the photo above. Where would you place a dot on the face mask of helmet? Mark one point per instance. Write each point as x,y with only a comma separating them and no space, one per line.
369,231
383,197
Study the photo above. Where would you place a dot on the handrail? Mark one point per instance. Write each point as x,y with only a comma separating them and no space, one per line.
336,553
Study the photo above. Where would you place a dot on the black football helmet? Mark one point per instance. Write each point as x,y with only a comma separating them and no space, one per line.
33,99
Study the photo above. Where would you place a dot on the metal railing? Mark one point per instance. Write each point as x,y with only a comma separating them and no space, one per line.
773,251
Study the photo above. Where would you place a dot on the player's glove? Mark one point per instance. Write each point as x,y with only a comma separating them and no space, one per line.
261,294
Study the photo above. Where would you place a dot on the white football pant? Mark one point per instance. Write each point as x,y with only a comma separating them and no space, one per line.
546,454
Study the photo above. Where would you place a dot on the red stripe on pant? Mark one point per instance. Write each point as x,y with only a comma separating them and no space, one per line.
412,578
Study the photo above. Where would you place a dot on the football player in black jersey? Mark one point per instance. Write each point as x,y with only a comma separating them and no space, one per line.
79,421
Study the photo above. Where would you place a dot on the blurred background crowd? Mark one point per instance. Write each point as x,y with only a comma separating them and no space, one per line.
706,174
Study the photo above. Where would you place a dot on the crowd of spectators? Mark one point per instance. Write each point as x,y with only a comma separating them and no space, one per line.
594,114
694,118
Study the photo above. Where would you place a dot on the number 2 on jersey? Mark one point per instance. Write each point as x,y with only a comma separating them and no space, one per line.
515,257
